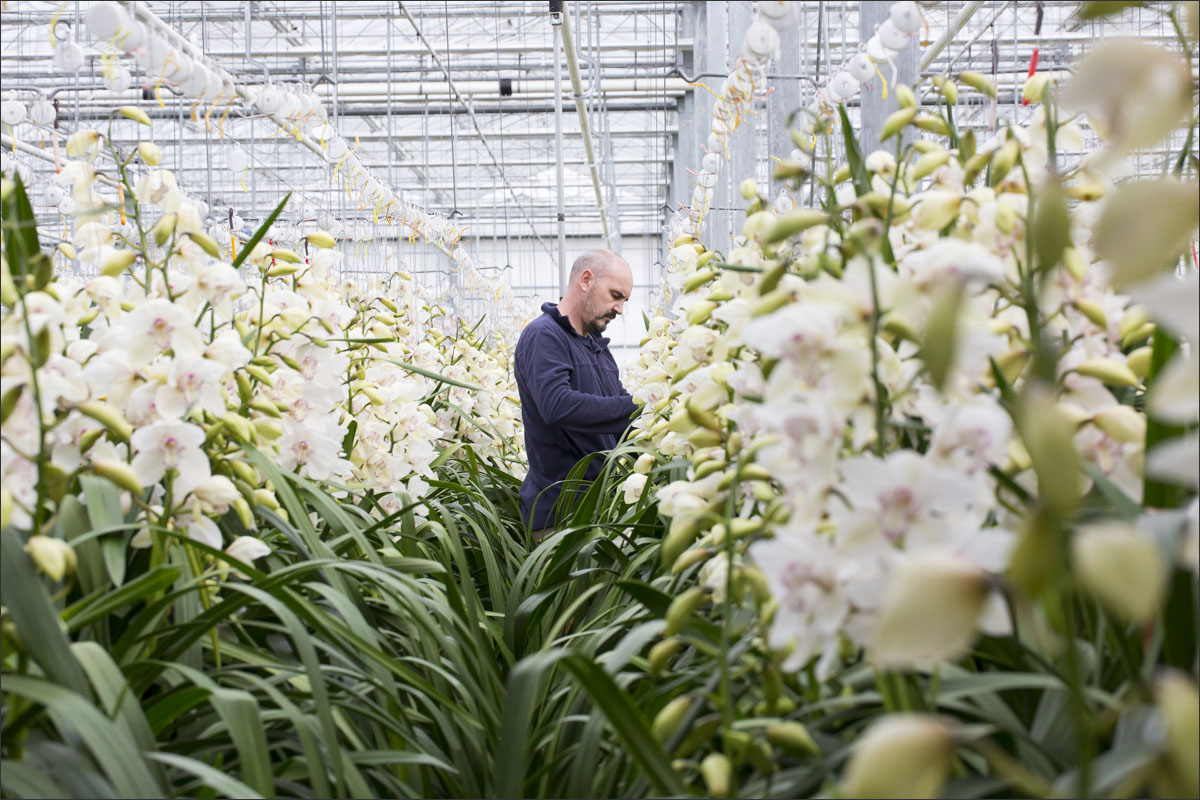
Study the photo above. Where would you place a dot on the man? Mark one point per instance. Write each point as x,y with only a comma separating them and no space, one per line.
572,400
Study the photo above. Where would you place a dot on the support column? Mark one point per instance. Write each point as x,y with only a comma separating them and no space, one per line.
743,144
711,38
786,95
873,109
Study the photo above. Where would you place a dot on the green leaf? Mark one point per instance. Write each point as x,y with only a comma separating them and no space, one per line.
213,778
20,231
104,510
112,747
625,717
261,232
428,373
28,602
87,611
854,156
20,779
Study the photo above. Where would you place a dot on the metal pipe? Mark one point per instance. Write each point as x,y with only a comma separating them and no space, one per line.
936,48
556,20
482,138
568,45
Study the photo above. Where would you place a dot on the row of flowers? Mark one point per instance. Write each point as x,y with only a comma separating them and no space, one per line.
160,371
892,408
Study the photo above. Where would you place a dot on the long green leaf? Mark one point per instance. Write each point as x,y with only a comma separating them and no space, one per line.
28,602
261,232
112,747
213,778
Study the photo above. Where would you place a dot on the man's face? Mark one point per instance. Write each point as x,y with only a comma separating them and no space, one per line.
604,296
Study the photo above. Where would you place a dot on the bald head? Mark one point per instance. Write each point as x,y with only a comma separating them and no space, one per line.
600,283
598,262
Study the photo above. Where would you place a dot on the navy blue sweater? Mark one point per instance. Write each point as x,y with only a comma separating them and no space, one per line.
572,404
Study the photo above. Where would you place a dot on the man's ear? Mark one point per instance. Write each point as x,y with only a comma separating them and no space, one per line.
585,279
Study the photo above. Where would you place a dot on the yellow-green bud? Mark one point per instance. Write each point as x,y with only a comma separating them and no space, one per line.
52,556
119,473
667,720
134,113
164,228
118,262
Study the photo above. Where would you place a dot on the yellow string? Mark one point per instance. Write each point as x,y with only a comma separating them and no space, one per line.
705,86
121,200
228,108
245,169
12,136
217,99
883,79
158,83
54,24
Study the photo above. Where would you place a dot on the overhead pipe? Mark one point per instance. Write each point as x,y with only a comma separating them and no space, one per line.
568,44
556,20
474,121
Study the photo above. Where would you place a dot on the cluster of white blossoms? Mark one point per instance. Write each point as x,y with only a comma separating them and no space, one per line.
157,373
868,456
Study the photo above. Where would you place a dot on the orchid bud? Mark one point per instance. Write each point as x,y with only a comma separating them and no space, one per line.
978,82
1094,313
928,163
1122,423
109,416
67,250
947,87
905,96
1122,568
118,262
1004,159
681,608
933,603
119,473
795,222
1178,705
267,428
690,558
82,142
717,771
164,228
282,271
661,653
937,209
1073,262
52,556
321,239
244,513
134,113
791,736
1139,361
206,242
667,720
1035,87
748,189
901,755
644,463
1112,373
150,153
896,122
1049,438
6,506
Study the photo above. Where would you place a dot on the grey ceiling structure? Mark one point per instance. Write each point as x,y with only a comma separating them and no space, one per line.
452,105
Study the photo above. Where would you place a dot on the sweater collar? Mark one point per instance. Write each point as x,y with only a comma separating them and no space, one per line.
597,342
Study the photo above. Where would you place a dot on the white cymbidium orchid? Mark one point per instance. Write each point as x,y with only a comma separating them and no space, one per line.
163,446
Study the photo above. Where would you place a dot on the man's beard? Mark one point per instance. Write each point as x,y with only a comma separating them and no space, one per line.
596,323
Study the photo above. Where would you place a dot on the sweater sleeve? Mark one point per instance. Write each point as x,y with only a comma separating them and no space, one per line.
548,376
